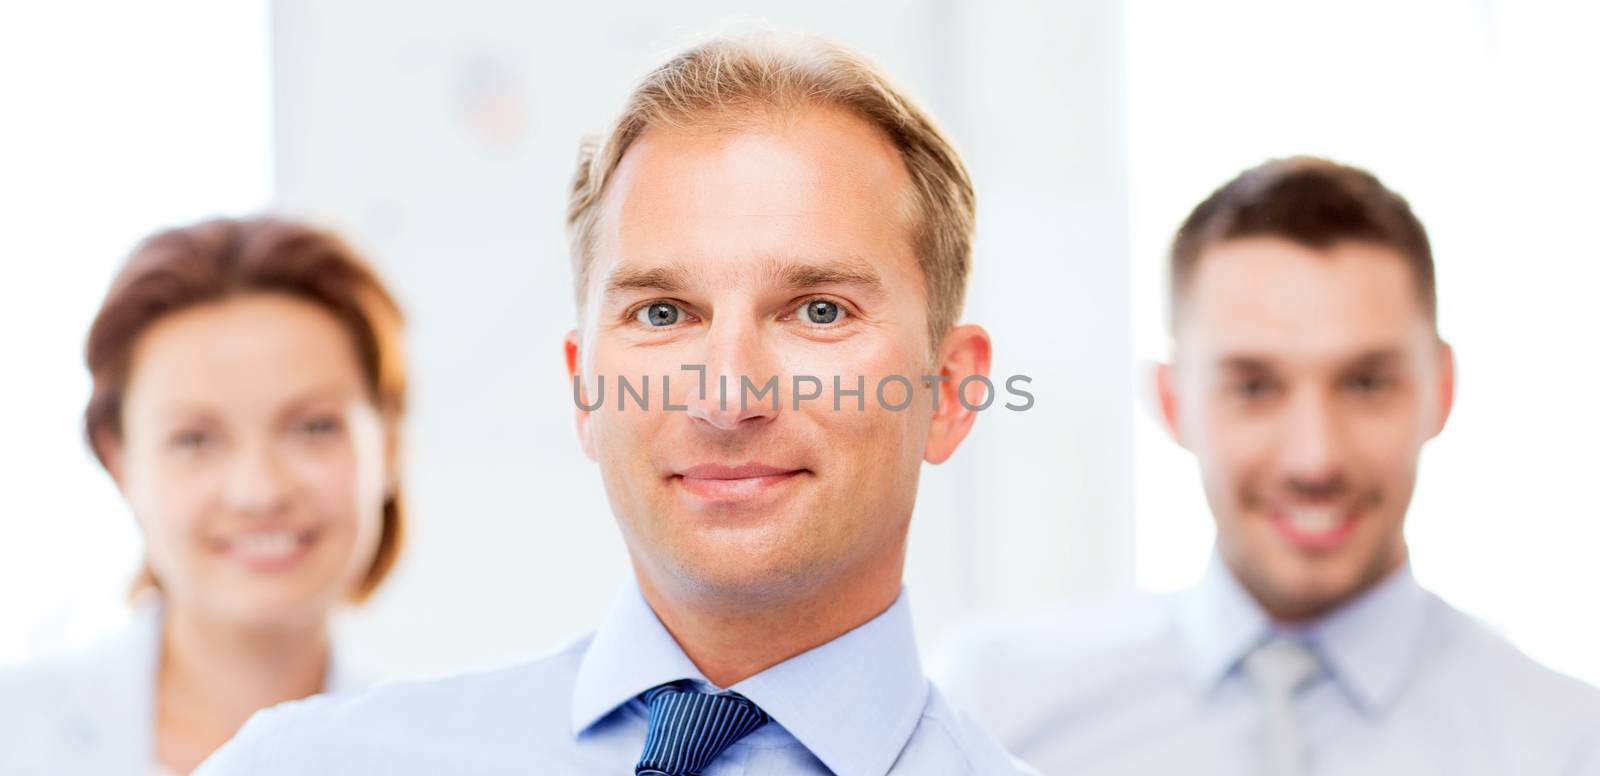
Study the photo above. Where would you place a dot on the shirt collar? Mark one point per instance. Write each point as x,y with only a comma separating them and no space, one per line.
630,653
852,702
1367,643
1371,642
1219,623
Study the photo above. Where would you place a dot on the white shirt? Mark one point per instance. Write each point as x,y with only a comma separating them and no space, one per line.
93,714
859,705
1408,686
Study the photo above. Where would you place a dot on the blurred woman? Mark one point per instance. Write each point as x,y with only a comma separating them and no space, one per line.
248,391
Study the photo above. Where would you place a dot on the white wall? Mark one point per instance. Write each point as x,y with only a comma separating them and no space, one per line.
443,141
119,118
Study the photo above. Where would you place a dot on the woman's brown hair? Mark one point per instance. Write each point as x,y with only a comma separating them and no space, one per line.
211,261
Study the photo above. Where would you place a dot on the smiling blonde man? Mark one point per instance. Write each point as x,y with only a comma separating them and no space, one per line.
768,214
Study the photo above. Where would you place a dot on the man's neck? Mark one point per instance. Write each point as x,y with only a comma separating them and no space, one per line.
731,638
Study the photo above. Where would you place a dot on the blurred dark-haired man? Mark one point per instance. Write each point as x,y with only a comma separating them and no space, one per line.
1307,375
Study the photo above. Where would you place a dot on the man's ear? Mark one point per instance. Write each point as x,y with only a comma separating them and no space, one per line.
1166,389
580,392
1446,387
965,352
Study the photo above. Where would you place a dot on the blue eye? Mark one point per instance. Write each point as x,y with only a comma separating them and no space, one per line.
821,312
658,314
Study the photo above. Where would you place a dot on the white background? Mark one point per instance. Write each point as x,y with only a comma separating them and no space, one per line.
115,119
442,141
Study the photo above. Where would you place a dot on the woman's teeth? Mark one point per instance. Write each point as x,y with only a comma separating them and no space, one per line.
277,544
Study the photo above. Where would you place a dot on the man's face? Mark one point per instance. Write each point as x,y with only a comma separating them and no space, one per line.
1306,383
772,250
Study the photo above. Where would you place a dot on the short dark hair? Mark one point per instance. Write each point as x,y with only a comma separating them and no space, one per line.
1313,202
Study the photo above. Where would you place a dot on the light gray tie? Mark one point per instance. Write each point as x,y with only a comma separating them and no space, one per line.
1280,667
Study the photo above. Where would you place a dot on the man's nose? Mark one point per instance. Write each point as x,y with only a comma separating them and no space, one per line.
738,385
1314,447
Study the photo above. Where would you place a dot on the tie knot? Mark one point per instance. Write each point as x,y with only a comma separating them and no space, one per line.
689,728
1281,666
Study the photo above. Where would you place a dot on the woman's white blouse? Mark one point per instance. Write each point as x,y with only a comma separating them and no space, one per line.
94,712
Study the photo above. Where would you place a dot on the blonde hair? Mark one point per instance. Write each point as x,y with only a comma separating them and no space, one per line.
729,82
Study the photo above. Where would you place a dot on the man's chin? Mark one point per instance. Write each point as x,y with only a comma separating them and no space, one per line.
1301,588
727,571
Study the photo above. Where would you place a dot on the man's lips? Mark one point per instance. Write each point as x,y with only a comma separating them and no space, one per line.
711,471
1317,528
718,482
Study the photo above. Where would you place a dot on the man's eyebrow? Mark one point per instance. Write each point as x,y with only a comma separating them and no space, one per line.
674,278
1245,364
848,272
671,278
1374,359
1370,359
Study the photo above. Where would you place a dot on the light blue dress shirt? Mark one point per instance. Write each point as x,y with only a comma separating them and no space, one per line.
1408,686
859,705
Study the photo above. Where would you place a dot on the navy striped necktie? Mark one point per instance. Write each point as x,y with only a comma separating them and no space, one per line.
689,728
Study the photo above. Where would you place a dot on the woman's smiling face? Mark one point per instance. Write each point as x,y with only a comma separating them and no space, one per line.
254,458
